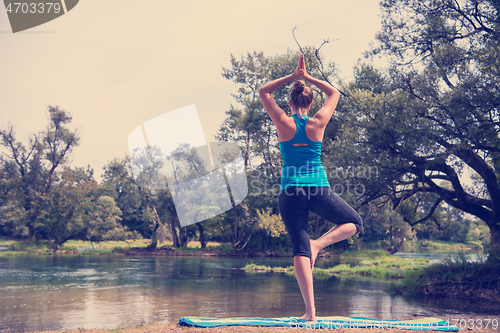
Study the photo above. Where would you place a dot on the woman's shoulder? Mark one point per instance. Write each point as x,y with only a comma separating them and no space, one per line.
312,121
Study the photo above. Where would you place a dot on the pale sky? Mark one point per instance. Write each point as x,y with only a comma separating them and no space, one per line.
116,64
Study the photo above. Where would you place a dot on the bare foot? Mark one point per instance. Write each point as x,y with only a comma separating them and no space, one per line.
308,317
315,248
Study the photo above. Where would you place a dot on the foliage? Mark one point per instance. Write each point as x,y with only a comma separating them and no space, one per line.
433,115
117,183
43,198
272,224
383,223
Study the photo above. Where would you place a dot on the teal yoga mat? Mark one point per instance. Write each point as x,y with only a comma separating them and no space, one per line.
421,324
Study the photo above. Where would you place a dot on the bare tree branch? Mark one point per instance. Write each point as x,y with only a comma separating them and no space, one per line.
316,52
426,217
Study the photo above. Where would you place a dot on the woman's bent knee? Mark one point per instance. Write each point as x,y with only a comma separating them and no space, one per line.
359,224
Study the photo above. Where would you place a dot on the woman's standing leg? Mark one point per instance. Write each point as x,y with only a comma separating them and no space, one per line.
294,211
303,273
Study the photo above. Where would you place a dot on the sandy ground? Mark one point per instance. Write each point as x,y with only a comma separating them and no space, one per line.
468,324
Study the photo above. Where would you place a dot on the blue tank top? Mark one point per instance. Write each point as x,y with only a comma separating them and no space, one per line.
302,164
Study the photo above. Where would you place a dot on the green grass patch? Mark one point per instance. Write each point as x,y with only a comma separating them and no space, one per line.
80,245
376,264
30,246
262,268
211,247
108,247
11,253
69,247
5,242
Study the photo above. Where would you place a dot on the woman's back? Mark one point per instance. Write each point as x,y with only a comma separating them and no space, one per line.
287,128
302,159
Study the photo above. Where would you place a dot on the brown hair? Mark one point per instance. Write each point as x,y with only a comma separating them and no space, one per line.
301,95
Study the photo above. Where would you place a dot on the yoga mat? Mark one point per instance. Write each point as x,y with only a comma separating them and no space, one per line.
421,324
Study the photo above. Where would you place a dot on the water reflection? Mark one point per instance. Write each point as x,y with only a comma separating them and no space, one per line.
48,293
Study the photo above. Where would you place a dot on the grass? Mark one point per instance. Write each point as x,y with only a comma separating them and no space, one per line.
102,247
29,246
5,242
11,253
86,247
375,263
218,248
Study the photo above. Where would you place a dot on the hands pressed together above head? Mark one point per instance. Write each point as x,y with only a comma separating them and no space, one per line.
300,71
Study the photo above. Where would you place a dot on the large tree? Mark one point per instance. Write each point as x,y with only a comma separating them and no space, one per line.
144,210
30,170
435,114
41,197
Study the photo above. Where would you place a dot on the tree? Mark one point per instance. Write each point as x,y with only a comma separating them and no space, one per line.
74,210
104,222
43,198
30,171
63,214
136,200
436,113
118,183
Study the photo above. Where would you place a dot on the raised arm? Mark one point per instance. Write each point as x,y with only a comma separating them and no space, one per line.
275,112
324,115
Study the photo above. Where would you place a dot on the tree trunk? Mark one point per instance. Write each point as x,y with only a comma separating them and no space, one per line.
175,239
494,253
182,238
154,238
319,226
235,227
203,242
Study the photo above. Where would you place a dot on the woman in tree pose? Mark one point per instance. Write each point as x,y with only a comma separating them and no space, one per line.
304,185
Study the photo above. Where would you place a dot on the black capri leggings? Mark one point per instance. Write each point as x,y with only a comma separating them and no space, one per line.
294,204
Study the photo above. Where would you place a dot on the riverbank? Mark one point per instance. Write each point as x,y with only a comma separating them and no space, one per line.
138,247
458,278
367,263
133,247
469,323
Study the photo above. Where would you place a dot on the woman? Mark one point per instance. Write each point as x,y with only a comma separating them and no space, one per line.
304,185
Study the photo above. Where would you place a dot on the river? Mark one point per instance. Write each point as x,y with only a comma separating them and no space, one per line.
96,291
